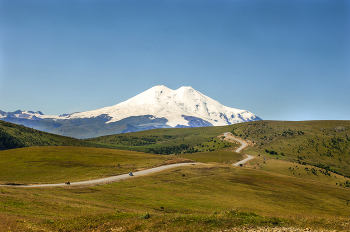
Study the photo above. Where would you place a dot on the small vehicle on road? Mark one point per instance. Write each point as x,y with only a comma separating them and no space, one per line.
130,174
67,182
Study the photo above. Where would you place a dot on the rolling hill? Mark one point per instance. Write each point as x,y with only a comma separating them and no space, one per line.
283,188
324,144
17,136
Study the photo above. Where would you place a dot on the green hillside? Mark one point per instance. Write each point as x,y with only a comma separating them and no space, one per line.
291,183
320,147
323,144
195,198
168,141
57,164
17,136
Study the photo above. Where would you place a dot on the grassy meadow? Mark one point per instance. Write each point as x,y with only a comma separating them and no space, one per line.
224,155
298,179
167,141
17,136
322,144
202,198
59,164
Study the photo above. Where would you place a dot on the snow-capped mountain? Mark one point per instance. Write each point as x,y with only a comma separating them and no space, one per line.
158,107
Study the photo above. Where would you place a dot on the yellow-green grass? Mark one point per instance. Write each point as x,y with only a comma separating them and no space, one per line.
205,197
157,138
296,170
59,164
16,136
212,145
208,197
307,142
226,155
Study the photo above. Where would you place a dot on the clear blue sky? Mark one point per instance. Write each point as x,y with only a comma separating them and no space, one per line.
282,60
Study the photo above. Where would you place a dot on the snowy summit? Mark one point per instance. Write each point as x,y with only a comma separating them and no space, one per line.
174,105
157,107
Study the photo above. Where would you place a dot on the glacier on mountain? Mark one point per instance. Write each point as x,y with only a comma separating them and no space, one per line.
157,107
174,105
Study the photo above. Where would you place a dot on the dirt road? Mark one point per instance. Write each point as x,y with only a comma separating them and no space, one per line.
243,145
135,174
106,180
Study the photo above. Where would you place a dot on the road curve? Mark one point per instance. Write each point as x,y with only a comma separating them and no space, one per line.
249,157
126,176
243,145
107,179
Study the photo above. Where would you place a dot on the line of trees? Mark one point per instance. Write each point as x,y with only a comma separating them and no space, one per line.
9,142
169,150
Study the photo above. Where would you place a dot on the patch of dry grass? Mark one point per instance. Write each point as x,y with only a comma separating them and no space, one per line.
185,198
58,164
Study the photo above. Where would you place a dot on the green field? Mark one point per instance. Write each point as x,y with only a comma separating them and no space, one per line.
324,144
59,164
202,198
298,178
40,165
17,136
224,155
167,141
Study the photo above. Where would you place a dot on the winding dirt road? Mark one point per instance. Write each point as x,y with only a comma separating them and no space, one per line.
243,145
112,179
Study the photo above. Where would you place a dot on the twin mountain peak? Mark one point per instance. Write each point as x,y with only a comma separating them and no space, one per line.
157,107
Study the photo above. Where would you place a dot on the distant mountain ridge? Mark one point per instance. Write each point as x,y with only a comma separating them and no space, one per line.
157,107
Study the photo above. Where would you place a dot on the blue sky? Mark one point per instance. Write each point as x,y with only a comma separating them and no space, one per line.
282,60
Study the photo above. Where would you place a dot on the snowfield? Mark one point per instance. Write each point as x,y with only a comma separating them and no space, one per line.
162,102
157,107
